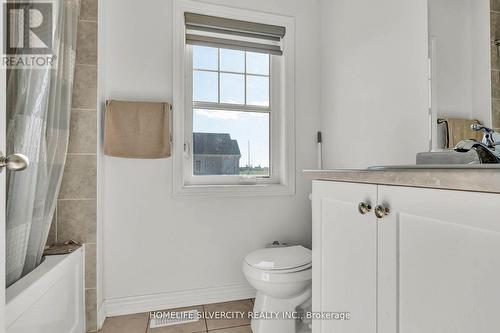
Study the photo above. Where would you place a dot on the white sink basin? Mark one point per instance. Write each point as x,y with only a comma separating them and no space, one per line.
436,167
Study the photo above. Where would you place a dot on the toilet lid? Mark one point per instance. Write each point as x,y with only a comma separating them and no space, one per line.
279,258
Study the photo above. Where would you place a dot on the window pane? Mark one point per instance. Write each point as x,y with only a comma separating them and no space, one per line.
205,86
232,61
257,63
232,88
258,90
205,58
230,143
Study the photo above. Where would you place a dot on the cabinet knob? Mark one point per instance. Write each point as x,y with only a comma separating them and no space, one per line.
382,211
364,208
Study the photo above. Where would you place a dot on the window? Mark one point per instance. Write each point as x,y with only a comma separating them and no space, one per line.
237,121
231,112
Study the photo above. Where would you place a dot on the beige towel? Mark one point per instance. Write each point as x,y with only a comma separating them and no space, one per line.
137,129
459,129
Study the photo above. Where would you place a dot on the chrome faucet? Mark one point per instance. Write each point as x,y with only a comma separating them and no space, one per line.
487,135
485,149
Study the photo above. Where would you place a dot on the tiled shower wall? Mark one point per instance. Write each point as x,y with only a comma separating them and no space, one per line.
495,62
75,217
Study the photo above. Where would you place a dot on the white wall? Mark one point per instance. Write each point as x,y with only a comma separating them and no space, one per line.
450,23
461,30
365,78
374,81
481,61
154,242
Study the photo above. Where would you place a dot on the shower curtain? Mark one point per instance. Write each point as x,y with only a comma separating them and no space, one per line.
39,107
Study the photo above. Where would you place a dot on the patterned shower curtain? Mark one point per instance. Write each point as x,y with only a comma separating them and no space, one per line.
39,108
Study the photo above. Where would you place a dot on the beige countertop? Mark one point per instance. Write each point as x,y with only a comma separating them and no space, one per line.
480,179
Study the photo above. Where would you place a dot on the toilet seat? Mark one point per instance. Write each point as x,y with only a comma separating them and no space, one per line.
284,271
281,259
297,274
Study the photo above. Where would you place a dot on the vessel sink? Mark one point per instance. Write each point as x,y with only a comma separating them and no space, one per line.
448,156
435,167
443,159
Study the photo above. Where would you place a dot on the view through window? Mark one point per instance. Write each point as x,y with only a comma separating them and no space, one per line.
231,112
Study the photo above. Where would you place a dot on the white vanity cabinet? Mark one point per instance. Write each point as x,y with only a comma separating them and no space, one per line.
432,264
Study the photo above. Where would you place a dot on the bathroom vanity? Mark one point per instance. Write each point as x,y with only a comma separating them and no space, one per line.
407,250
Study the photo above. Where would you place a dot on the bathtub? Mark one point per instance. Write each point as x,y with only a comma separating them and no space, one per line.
50,299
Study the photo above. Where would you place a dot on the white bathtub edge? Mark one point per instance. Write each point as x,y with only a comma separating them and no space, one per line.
24,293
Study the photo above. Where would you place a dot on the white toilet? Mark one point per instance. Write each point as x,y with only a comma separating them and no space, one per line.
282,277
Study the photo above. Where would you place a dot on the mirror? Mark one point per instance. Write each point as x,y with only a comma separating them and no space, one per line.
464,46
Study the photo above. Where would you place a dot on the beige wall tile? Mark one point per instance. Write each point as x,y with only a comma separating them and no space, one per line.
495,63
85,87
91,309
244,306
495,58
90,265
86,44
76,220
136,323
83,132
79,178
495,84
88,10
496,113
495,26
495,5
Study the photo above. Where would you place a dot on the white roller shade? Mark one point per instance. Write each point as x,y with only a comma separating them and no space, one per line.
233,34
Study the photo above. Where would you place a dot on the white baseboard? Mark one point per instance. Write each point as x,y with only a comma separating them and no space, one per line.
101,316
164,301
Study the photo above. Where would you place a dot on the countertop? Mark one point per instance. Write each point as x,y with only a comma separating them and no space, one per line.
473,179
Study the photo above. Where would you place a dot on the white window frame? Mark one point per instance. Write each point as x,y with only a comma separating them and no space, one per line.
274,128
282,127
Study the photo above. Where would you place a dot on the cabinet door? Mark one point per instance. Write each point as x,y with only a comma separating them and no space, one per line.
344,257
439,261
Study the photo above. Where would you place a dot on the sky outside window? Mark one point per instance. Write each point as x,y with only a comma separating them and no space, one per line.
244,127
233,77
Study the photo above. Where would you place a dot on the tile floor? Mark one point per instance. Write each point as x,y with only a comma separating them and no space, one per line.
139,323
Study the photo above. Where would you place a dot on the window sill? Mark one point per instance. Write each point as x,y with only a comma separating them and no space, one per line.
234,190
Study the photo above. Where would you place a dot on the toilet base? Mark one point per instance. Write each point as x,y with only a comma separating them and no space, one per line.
266,304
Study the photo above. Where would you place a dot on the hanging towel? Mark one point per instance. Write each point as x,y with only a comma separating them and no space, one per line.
459,129
137,129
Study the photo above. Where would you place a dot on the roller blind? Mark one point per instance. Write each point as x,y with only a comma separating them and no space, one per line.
221,32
